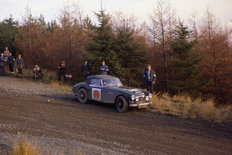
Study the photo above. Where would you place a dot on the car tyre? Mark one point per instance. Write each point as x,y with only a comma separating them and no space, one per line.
82,95
121,104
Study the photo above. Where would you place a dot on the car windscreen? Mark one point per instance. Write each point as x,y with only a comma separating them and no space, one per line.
96,82
112,82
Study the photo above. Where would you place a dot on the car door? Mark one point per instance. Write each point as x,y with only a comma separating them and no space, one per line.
108,95
96,89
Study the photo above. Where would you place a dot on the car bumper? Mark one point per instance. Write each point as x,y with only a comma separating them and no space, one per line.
140,105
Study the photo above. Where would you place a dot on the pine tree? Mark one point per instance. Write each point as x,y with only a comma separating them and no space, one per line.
102,45
132,56
7,34
186,64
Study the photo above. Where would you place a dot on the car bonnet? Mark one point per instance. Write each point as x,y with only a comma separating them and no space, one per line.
129,90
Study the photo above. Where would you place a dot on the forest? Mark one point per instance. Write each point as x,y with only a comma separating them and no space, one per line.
193,58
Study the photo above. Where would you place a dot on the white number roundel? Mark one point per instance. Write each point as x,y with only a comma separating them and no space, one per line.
96,94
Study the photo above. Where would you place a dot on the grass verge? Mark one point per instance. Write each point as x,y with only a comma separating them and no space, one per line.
184,106
61,86
48,76
24,147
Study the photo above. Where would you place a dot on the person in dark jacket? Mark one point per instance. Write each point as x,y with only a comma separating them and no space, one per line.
11,60
3,60
85,69
19,63
149,78
103,68
62,70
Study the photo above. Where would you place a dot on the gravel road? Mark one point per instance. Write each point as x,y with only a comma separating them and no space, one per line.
53,119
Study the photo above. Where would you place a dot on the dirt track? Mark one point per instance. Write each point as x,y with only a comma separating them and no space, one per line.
55,121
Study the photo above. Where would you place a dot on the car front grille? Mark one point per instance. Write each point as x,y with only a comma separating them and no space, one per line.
143,100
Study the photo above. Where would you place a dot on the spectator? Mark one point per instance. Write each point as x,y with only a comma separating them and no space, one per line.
2,64
149,78
37,72
6,52
19,65
85,69
103,68
11,60
62,70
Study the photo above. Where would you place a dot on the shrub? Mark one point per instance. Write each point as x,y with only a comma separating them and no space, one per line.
24,147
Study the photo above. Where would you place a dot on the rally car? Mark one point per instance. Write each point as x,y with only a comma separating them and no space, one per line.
109,89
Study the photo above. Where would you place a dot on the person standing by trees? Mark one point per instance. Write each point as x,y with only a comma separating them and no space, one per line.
19,65
11,60
149,78
2,64
6,52
85,69
62,70
103,68
37,71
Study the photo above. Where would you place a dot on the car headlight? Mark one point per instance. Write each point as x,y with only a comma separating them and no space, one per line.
150,95
133,97
143,95
137,99
147,98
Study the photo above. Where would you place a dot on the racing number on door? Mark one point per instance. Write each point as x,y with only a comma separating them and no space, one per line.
96,94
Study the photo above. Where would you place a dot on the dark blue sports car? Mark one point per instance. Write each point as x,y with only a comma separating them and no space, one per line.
109,89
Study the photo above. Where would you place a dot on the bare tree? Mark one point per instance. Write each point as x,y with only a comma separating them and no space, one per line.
71,21
208,30
215,46
195,35
161,29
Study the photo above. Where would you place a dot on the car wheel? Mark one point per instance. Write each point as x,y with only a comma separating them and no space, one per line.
121,104
82,95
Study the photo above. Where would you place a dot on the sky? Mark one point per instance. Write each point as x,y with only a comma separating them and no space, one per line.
140,9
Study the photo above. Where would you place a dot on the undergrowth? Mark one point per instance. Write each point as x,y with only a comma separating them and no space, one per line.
25,147
183,105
